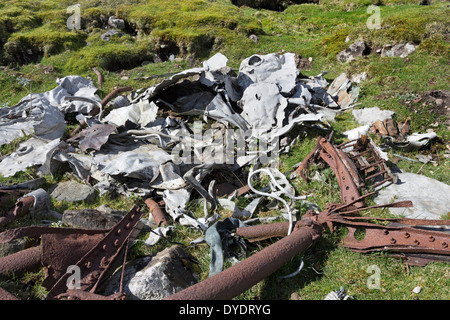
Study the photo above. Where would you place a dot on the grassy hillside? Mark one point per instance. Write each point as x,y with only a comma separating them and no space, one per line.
36,48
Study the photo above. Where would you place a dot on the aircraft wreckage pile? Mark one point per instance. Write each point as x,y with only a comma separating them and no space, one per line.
171,142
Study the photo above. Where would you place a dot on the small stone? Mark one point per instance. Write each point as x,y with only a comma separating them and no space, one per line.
254,38
357,49
116,23
399,50
295,296
90,219
73,191
107,35
417,289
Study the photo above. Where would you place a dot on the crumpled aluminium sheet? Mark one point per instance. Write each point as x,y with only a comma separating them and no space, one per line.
266,96
44,121
141,113
29,153
271,68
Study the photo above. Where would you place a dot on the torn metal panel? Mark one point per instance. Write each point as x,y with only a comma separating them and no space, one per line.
94,137
154,90
140,113
141,163
29,153
263,106
271,68
44,121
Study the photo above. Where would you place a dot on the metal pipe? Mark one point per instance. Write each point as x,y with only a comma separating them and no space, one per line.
242,276
158,214
5,295
19,263
264,231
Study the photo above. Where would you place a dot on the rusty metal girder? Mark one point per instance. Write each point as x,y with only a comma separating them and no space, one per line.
58,249
401,235
94,251
354,163
96,265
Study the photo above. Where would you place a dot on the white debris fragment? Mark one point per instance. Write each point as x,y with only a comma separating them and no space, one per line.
271,68
32,152
368,116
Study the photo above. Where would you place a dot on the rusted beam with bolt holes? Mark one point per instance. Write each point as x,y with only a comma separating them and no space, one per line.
242,276
97,264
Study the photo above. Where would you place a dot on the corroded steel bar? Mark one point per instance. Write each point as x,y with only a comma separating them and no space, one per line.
345,179
242,276
5,295
9,196
36,231
21,262
21,207
158,214
305,163
264,231
407,239
108,98
83,295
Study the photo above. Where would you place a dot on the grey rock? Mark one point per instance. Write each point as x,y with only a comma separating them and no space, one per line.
107,35
90,219
116,23
430,198
254,38
399,50
107,209
120,101
357,49
154,277
73,191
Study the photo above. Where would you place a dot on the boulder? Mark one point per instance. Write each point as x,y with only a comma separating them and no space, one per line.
401,50
73,191
116,23
155,277
90,219
430,197
356,49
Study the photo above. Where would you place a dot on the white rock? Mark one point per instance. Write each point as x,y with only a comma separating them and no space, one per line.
368,116
430,198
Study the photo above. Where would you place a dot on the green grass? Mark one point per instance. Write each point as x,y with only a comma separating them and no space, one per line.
197,30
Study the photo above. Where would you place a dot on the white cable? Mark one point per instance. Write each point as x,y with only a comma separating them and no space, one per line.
274,195
293,274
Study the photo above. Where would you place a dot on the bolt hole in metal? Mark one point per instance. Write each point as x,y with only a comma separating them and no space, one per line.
359,234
